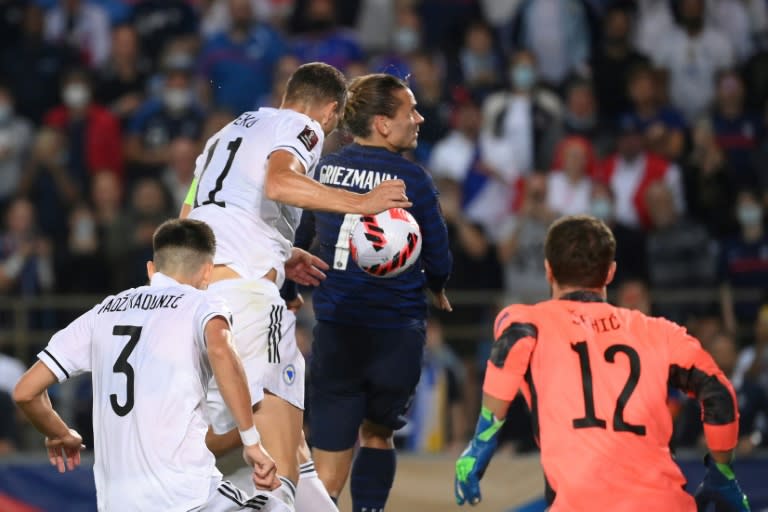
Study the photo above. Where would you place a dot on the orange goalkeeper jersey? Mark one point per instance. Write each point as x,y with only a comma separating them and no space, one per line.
596,378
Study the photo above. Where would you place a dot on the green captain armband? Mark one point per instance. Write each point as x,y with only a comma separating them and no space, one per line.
192,193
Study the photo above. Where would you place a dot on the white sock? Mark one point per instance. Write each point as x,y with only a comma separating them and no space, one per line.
311,495
286,492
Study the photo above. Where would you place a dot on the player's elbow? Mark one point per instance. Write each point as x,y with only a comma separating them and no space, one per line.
23,394
274,190
218,344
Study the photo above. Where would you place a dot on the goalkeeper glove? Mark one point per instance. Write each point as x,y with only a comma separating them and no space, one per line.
721,488
471,465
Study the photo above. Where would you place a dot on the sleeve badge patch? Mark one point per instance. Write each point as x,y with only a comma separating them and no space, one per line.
308,137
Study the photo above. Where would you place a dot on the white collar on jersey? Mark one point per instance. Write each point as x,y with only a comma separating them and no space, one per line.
160,279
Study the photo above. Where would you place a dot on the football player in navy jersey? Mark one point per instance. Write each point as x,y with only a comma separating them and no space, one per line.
369,339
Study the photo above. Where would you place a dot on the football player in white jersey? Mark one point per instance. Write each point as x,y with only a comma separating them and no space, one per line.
151,352
251,181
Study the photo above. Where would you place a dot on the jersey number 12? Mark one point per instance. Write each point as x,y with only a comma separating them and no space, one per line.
232,147
123,366
590,418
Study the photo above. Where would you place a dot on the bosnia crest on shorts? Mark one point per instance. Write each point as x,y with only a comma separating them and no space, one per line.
289,374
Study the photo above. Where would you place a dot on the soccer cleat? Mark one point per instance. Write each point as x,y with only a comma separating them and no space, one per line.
720,488
471,465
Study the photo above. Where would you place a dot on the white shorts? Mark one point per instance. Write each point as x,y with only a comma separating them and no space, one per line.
264,333
226,497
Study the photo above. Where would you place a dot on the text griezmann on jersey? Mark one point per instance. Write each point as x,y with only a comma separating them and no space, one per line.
353,178
143,301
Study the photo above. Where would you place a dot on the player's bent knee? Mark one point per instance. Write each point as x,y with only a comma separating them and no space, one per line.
373,435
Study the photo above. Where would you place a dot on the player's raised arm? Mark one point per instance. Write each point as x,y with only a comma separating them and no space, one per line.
511,352
694,371
285,182
230,377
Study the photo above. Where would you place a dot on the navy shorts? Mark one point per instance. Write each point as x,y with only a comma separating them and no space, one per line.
360,373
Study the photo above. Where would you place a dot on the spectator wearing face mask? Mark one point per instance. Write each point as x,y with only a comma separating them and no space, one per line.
175,113
744,264
405,41
91,131
521,126
561,48
15,142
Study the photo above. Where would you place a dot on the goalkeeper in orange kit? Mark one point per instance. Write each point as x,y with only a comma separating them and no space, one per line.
595,377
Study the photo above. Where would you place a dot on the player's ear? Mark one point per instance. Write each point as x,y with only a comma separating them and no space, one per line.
611,273
151,269
330,110
381,125
205,277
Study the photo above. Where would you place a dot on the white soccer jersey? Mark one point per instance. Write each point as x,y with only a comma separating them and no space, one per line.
146,350
253,233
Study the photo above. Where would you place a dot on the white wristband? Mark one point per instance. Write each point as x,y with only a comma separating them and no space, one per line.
250,437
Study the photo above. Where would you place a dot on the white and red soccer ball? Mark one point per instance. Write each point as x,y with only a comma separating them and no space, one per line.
386,244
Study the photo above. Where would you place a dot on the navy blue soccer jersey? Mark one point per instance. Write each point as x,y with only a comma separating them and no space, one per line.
350,296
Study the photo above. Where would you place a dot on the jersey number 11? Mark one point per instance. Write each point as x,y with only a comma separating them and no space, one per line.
232,147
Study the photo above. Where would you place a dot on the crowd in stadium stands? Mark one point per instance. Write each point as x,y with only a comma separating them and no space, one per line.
649,114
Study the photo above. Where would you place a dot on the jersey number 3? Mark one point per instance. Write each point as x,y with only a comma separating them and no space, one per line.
123,366
590,418
232,147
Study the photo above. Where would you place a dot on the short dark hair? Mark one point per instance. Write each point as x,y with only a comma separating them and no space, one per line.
316,82
369,96
183,245
580,250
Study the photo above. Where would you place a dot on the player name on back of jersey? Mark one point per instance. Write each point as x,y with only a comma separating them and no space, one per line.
353,178
145,301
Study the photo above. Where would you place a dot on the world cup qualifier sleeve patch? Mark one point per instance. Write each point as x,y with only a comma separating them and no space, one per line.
308,137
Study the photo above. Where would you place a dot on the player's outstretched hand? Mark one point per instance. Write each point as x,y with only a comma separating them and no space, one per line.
721,489
441,302
304,268
388,194
264,468
471,465
64,452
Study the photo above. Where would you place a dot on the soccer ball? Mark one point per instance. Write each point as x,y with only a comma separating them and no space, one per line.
387,244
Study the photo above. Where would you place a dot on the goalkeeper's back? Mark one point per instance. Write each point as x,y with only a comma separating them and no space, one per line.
596,380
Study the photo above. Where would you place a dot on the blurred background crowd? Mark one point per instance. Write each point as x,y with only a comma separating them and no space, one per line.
650,114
